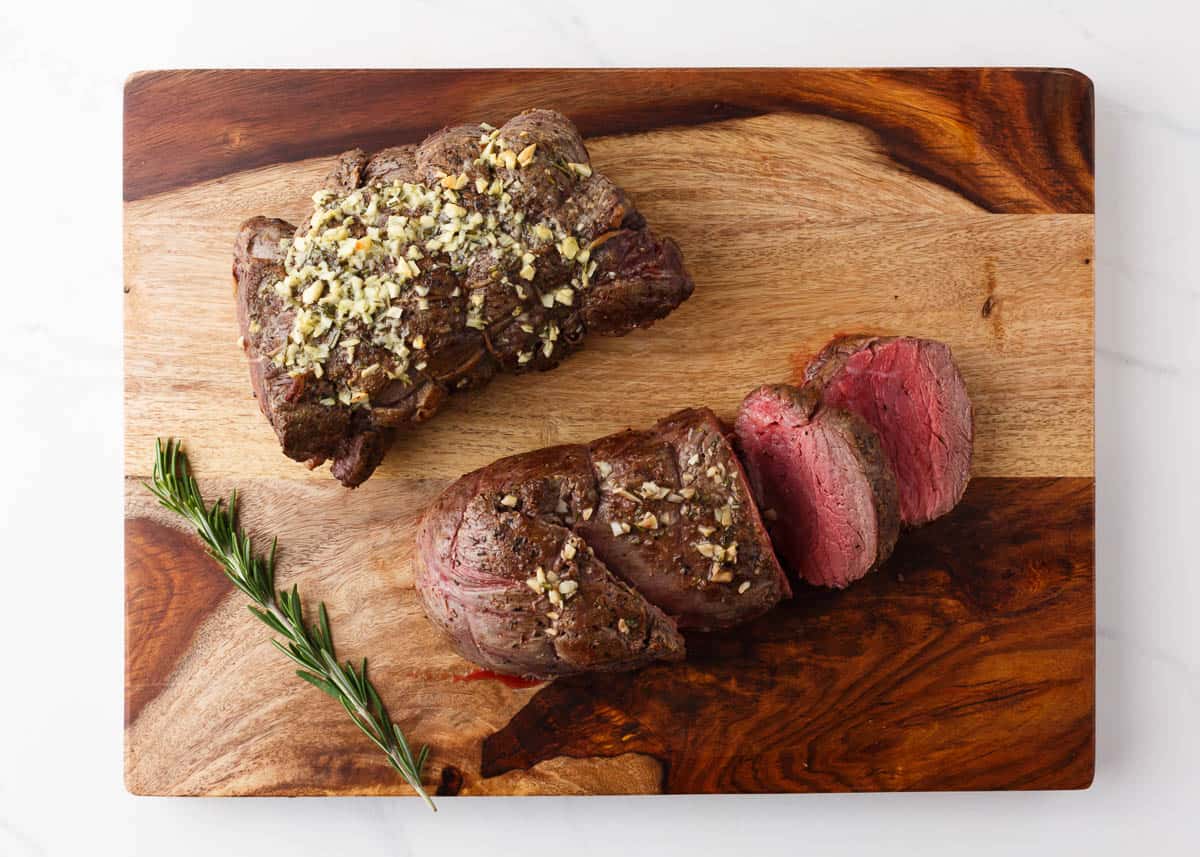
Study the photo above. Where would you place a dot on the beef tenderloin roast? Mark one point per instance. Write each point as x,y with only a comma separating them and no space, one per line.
425,270
590,557
911,392
824,483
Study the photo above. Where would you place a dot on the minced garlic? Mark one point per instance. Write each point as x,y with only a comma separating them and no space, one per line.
349,274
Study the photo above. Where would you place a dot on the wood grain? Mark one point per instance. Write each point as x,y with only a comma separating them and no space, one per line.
947,203
965,663
169,591
1010,140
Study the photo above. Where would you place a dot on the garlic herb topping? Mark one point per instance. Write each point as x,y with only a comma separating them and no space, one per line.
359,275
717,545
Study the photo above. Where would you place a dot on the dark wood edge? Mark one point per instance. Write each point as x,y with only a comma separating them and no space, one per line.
1015,140
1048,608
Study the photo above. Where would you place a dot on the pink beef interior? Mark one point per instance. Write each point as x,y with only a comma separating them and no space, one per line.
910,391
825,519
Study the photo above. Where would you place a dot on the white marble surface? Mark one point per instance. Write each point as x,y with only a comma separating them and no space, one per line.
60,368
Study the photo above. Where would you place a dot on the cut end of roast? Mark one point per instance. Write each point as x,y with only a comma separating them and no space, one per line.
823,482
912,394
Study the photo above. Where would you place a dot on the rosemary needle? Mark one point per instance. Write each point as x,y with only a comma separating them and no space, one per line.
309,646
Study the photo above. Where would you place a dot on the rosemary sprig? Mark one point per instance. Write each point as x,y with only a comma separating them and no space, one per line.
310,647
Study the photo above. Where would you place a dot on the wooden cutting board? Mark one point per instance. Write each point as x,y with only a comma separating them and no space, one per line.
949,203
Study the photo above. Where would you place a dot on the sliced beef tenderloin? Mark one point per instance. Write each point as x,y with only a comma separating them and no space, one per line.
822,476
911,392
578,558
426,270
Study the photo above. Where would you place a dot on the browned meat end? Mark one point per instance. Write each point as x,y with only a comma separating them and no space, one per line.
676,519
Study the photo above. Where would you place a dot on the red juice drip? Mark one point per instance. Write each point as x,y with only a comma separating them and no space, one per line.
506,680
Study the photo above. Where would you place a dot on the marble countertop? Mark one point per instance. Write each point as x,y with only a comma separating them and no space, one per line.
60,502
